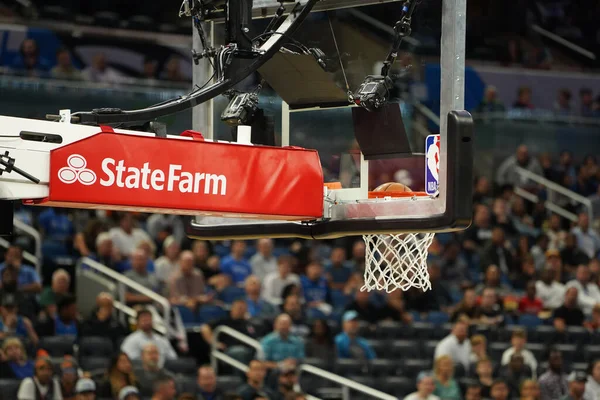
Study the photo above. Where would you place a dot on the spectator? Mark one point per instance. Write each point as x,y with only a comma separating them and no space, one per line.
571,254
425,388
478,349
139,274
348,344
569,314
204,261
41,384
539,250
29,61
234,265
66,322
499,390
358,257
549,290
61,281
263,262
69,374
99,71
562,105
187,287
28,280
168,264
456,345
482,191
64,68
438,298
467,308
107,253
164,389
103,322
594,323
518,341
275,282
480,231
237,320
484,371
586,99
493,279
161,226
577,383
507,173
491,312
257,307
337,271
362,304
530,303
592,386
453,265
394,308
85,389
490,102
556,234
126,238
135,342
446,386
523,99
287,378
207,384
587,238
514,373
530,390
295,396
315,288
514,52
173,70
254,387
293,307
149,70
281,345
119,377
589,293
149,371
56,225
473,391
553,383
14,324
13,360
129,393
320,341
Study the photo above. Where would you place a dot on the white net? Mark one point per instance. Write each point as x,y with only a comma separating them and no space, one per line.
397,261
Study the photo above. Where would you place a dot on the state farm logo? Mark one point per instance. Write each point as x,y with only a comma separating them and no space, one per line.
118,173
76,171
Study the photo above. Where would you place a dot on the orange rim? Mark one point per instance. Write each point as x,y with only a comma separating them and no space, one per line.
381,195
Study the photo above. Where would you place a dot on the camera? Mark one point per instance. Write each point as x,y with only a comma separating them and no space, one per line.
374,92
240,109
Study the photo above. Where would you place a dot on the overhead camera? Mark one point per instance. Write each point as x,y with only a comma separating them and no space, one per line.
240,109
374,92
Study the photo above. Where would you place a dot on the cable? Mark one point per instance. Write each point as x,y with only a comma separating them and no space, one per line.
284,35
9,136
337,49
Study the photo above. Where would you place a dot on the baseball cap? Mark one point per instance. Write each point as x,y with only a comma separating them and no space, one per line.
85,385
422,375
577,376
69,365
350,315
127,391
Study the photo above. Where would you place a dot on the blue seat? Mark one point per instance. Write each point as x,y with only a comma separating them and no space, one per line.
210,313
231,294
530,321
438,317
187,315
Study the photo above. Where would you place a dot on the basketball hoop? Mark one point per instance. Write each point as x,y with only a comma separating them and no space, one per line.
397,261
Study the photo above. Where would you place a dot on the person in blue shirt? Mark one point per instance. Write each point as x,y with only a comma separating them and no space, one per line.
57,225
29,62
280,345
314,285
28,280
256,306
14,324
348,344
65,323
338,271
234,265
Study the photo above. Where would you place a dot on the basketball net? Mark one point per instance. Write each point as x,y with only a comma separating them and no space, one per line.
397,261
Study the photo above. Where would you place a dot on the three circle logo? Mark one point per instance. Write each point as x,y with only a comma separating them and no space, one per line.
76,171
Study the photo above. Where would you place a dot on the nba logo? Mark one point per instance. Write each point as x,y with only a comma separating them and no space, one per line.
432,165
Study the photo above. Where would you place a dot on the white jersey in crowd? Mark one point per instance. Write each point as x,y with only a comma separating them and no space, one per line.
459,352
415,396
552,296
588,295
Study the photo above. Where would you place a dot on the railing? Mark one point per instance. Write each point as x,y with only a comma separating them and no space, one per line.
225,330
29,230
552,189
123,282
564,42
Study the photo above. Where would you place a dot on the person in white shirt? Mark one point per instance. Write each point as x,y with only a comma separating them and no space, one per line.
592,386
518,341
425,388
588,239
456,345
134,344
275,282
589,293
99,71
127,238
263,262
551,292
167,264
41,383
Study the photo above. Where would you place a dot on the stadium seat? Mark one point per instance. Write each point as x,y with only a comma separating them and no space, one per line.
591,352
183,365
496,349
229,381
94,364
9,388
568,352
210,313
438,318
231,294
347,367
578,335
362,379
391,330
186,384
95,346
382,367
58,346
318,362
441,331
187,316
530,321
579,366
547,334
423,330
428,347
366,330
380,347
413,366
405,349
539,350
398,386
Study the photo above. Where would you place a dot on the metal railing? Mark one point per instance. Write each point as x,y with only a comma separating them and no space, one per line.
225,330
564,42
124,282
553,190
37,237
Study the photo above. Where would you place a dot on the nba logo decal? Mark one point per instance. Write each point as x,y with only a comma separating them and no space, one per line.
432,165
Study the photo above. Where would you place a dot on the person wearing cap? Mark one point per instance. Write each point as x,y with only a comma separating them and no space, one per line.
577,382
280,345
65,323
518,341
588,292
61,281
457,345
549,289
42,385
168,264
14,324
129,393
28,280
85,389
425,388
348,344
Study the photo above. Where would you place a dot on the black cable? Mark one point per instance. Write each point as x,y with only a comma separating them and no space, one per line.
284,35
10,136
206,84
